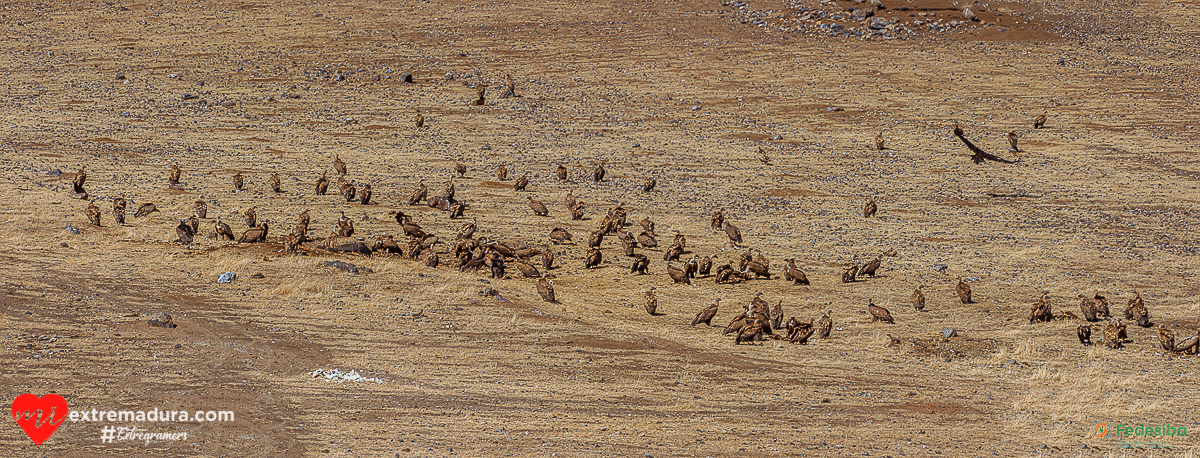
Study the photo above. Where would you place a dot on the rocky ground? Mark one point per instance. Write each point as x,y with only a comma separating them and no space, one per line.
1101,200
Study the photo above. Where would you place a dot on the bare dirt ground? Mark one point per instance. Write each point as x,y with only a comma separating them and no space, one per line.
1104,199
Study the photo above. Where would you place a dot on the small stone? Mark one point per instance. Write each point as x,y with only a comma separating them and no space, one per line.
187,96
120,76
948,333
72,229
163,321
258,275
777,137
969,15
64,245
861,14
226,277
940,268
54,173
878,23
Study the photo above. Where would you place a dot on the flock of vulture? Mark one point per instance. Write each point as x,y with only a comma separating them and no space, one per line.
756,322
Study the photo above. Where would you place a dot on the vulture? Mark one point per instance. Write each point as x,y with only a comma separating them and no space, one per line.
521,182
1085,334
759,270
431,259
1190,345
647,240
480,91
457,211
527,270
849,272
870,268
345,226
1041,311
691,267
559,235
237,181
545,288
77,190
648,226
194,223
538,207
673,252
93,214
569,201
201,208
1101,306
413,230
448,189
649,184
879,142
1088,308
1166,338
1112,335
401,218
547,258
596,239
365,196
870,208
251,217
386,244
440,203
291,244
879,313
918,299
794,274
776,316
1137,311
501,173
461,169
762,156
979,155
419,120
275,182
510,88
348,192
322,185
824,325
1012,142
706,315
119,210
593,258
418,195
339,165
640,264
677,275
577,211
466,230
801,333
173,177
336,244
651,302
750,333
628,244
1040,121
185,232
254,235
145,210
561,173
735,234
718,220
223,229
964,291
598,173
705,267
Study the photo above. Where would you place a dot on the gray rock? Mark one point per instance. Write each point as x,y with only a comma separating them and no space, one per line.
939,268
54,173
72,229
948,333
878,23
64,245
226,277
861,14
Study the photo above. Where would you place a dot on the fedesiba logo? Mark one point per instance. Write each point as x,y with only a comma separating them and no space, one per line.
1103,431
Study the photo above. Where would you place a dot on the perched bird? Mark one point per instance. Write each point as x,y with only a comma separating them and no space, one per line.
762,156
1041,310
577,211
647,240
1112,335
559,235
1040,121
979,155
640,264
824,325
647,225
734,234
526,269
1137,311
918,299
461,169
594,257
879,142
457,211
322,185
448,189
251,217
870,208
223,230
521,182
1088,307
538,207
678,275
339,165
146,209
545,288
201,208
1012,142
119,210
348,191
418,195
479,92
649,184
1166,338
1085,334
651,301
194,223
501,173
870,268
849,273
237,181
749,333
185,233
561,173
705,267
879,313
706,315
93,214
718,220
77,191
598,173
275,186
547,259
964,291
364,197
1101,306
173,177
776,316
464,232
419,120
301,229
255,235
1190,345
345,226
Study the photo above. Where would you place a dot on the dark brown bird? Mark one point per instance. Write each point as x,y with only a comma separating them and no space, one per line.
648,226
759,270
1189,346
322,185
77,191
879,142
345,226
527,270
521,182
596,239
651,302
538,207
301,229
348,191
870,268
762,156
794,274
593,259
448,189
706,315
691,267
201,208
1112,335
673,252
185,233
647,240
561,173
119,210
1101,306
365,196
93,214
1040,121
749,333
173,177
849,272
547,258
255,235
275,186
251,217
461,169
1137,311
457,211
918,299
1041,311
598,173
501,173
194,223
1012,142
1166,338
413,230
879,313
419,120
145,210
870,207
718,220
1088,308
649,184
418,195
964,291
339,165
640,264
1085,334
237,181
291,244
545,288
705,267
479,92
979,154
776,316
678,275
824,326
734,234
223,230
577,211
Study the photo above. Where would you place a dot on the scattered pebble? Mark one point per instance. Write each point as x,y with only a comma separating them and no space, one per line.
226,277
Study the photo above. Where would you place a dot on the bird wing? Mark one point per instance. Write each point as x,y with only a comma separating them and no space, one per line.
980,155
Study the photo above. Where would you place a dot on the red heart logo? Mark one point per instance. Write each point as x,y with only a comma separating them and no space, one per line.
39,417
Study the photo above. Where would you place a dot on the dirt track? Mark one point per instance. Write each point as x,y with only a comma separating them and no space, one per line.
1104,199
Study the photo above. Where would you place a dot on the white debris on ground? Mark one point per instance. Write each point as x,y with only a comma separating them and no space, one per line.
337,375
